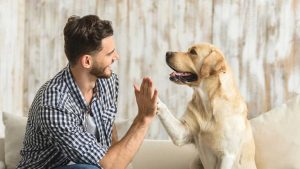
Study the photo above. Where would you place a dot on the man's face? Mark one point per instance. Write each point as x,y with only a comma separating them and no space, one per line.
102,61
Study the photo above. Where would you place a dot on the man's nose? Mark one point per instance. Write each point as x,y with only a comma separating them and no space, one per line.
116,56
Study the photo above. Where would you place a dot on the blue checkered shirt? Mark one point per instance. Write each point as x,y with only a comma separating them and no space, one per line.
56,134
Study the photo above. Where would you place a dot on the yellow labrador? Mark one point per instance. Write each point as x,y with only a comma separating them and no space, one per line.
215,120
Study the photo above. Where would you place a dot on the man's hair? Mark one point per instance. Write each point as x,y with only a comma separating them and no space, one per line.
84,35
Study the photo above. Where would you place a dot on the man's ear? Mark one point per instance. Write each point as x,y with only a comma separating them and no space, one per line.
86,61
213,64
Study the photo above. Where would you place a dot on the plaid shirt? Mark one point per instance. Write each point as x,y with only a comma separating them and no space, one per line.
56,134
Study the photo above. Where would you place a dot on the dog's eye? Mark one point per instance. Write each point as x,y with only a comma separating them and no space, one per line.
193,52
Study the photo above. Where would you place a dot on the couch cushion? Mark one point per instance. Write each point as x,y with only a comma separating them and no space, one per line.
163,154
277,136
14,133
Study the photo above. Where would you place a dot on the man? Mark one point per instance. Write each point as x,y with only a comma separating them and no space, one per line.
71,120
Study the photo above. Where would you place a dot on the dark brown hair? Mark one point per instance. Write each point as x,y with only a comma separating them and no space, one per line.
84,36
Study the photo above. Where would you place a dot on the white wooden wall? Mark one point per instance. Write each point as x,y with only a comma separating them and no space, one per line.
260,38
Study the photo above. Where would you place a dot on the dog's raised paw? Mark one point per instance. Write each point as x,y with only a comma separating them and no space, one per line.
160,106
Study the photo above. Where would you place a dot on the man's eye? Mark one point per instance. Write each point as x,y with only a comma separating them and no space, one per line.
193,52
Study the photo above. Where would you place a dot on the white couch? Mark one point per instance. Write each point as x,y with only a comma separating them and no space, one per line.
277,139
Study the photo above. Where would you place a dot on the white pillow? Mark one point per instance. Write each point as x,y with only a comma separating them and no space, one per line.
14,134
277,137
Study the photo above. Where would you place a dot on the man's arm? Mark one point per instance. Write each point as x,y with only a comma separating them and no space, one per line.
121,153
114,135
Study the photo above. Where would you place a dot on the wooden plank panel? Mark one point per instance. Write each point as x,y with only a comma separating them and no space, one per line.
258,38
11,55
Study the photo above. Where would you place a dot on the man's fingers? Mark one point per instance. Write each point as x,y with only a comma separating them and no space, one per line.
155,96
136,89
144,86
150,88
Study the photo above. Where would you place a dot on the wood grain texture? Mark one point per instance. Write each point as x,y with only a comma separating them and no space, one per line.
11,55
260,39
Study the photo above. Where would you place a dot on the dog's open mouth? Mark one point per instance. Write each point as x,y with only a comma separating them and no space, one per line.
183,77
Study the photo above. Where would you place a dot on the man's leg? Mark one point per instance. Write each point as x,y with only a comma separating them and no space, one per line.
78,166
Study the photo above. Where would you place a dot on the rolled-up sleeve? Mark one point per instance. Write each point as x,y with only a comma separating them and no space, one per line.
65,131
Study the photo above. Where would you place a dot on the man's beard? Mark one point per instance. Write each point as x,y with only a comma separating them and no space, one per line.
99,72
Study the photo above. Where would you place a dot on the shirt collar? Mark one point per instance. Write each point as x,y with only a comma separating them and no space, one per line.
75,88
96,90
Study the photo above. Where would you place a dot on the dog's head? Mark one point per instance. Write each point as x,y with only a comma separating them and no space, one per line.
199,62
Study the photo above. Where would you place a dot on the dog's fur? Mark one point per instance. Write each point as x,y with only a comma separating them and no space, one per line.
215,120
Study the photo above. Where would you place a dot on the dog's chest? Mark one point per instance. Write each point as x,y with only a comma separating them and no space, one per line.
226,134
225,137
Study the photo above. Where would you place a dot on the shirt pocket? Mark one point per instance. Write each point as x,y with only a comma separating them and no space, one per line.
109,114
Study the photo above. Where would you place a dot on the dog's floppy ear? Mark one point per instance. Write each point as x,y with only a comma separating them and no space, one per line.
213,64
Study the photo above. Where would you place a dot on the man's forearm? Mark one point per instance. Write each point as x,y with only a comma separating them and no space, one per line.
114,135
121,153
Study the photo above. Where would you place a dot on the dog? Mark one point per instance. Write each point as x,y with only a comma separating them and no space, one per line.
215,120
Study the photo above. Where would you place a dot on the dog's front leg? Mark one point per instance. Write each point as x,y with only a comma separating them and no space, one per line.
178,131
196,164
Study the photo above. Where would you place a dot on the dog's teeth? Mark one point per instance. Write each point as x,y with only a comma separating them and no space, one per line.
173,74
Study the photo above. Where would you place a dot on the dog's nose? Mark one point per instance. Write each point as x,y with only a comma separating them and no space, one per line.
168,56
